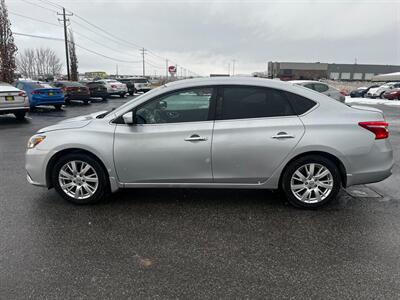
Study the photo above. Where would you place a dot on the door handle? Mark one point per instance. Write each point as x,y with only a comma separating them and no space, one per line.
195,138
282,135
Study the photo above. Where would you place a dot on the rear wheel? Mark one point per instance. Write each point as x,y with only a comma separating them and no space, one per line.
104,98
86,102
122,95
58,106
382,95
311,181
80,179
131,93
20,115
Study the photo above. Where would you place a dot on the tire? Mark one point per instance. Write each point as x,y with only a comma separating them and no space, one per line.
104,98
67,101
131,93
98,190
20,115
331,180
381,96
86,102
122,95
58,106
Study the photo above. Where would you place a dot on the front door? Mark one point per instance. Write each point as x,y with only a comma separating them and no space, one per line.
255,130
171,142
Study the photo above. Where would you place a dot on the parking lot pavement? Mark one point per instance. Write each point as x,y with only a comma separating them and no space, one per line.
197,244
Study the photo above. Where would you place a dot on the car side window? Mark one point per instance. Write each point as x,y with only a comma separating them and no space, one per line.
310,86
189,105
299,103
319,87
243,102
20,86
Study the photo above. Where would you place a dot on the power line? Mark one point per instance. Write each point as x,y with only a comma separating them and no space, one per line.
38,36
33,19
37,5
84,48
105,32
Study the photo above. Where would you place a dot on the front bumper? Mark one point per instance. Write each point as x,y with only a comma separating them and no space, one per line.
35,165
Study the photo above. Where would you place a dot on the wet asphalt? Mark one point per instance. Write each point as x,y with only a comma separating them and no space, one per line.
192,244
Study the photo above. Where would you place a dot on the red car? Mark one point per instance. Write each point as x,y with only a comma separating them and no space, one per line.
392,94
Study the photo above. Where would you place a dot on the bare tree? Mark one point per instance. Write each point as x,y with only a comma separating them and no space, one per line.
8,49
73,57
39,63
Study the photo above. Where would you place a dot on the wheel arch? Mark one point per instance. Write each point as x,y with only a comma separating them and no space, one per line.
53,160
333,158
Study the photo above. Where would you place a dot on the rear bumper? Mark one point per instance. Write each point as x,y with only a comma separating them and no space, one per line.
77,97
390,97
372,167
7,110
99,94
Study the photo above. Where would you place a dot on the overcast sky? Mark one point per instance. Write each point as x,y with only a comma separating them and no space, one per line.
205,36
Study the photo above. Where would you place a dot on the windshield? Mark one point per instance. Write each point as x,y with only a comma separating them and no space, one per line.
136,99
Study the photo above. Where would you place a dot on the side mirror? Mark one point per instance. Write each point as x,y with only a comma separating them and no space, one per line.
128,118
162,105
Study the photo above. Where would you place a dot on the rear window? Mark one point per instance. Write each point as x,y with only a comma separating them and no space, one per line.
72,84
139,80
299,103
38,85
243,102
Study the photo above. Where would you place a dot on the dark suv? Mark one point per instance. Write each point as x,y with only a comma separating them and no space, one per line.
130,84
97,89
73,91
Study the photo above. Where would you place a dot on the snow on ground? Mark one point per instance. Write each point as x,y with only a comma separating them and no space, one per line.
372,101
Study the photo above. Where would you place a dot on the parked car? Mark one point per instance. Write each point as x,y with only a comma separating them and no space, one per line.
41,93
321,88
97,89
378,92
362,91
115,87
130,84
258,133
13,101
142,84
74,91
392,94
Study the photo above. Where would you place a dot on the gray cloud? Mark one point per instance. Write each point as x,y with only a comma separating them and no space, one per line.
206,35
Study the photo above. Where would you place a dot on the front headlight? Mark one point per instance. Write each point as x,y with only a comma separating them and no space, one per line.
35,140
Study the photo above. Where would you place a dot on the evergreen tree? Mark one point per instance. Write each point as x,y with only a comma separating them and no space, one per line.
8,49
73,58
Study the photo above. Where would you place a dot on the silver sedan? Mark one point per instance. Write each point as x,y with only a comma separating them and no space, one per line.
242,133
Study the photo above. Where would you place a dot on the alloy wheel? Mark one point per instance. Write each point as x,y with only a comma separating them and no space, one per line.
78,179
311,183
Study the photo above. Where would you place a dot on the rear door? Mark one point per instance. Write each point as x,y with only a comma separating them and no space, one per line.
255,130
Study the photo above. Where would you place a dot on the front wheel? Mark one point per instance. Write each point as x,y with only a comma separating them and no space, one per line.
58,106
311,181
122,95
382,95
80,179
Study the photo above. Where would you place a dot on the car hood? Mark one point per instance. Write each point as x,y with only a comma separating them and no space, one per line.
72,123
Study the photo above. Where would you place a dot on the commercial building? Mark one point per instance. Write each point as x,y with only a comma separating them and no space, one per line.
317,70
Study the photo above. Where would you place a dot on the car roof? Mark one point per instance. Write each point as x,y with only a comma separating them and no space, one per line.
305,81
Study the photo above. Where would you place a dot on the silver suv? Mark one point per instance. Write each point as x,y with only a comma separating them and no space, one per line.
216,133
13,101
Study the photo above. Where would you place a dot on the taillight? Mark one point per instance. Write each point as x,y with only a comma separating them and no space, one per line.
379,128
113,86
22,94
35,92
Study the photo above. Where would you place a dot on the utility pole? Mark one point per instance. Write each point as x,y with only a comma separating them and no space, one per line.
143,51
233,67
64,20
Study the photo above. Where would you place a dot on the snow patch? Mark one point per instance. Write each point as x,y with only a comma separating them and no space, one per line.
372,101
